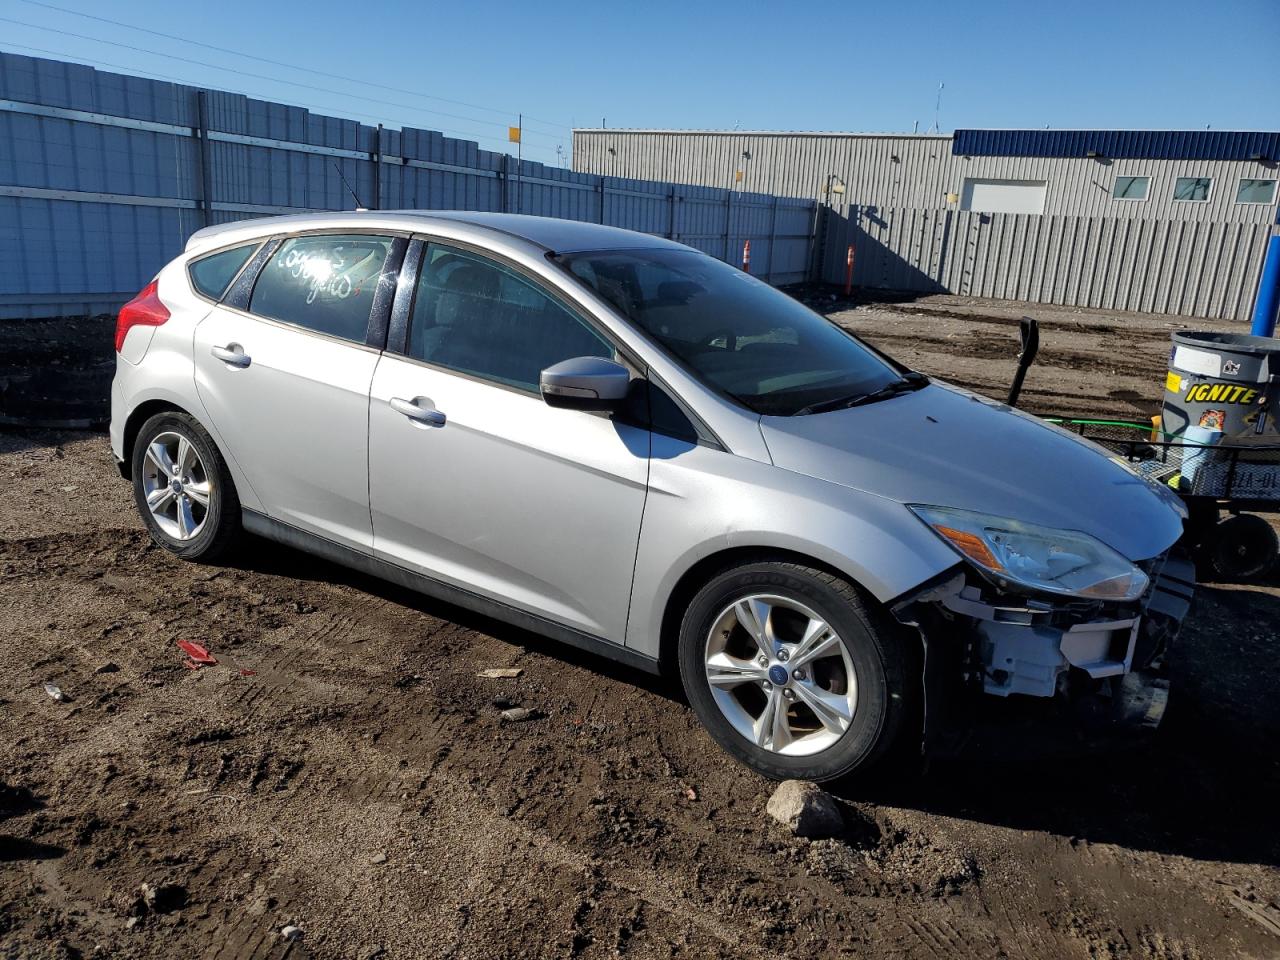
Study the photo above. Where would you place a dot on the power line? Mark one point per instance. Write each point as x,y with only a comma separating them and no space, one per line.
354,114
260,76
289,66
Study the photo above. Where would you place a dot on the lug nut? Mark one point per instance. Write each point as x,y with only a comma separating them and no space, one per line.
763,660
798,674
783,655
789,694
768,687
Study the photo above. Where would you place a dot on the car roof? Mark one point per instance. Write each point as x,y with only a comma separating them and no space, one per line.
549,233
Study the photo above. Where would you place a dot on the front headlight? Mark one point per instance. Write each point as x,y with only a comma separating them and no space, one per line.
1065,562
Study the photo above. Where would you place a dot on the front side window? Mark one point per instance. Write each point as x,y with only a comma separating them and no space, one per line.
323,283
1195,189
478,317
1256,191
212,275
734,332
1130,188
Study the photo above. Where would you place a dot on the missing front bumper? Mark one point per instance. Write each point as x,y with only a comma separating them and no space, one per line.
1106,660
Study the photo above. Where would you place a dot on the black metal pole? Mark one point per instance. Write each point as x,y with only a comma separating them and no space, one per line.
1030,331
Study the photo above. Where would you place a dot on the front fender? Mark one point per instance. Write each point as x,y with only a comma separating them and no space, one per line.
703,501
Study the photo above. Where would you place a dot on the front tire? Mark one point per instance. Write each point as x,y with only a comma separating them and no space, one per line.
792,671
183,489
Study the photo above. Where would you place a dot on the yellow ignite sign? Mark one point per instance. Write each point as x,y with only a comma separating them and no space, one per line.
1221,393
513,134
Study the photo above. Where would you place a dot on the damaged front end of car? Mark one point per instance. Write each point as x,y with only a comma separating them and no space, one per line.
1103,659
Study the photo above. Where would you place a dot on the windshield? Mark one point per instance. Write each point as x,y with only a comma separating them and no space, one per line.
736,333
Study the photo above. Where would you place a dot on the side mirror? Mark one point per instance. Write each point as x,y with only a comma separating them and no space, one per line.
585,383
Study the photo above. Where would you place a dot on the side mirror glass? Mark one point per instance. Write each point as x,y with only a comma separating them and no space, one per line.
585,383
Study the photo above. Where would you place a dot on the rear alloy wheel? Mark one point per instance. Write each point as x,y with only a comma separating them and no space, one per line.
175,483
791,671
183,490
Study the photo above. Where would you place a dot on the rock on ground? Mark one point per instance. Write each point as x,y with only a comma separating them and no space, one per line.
806,809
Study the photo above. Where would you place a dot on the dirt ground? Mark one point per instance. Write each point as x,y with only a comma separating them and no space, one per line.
343,769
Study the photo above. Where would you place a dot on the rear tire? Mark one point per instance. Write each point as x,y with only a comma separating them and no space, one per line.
183,490
833,668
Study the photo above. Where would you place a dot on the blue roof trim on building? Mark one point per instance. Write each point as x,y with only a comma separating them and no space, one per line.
1137,144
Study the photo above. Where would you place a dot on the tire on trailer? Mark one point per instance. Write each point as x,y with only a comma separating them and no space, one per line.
841,710
1242,547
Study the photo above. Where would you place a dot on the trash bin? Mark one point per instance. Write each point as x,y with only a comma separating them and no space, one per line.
1223,381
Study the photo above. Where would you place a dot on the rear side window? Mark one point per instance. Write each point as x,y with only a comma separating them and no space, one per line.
212,275
323,283
478,317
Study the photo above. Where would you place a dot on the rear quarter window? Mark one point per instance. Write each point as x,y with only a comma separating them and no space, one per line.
212,275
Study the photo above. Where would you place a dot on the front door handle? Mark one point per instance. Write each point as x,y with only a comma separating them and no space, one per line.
231,354
428,415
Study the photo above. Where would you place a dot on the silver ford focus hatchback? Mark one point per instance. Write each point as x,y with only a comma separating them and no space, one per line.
622,443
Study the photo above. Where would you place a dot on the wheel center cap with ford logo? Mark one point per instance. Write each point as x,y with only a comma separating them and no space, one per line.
778,675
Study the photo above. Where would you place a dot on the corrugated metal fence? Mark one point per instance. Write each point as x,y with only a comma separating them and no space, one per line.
104,176
1183,267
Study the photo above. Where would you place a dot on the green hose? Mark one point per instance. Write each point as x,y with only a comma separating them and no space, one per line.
1145,427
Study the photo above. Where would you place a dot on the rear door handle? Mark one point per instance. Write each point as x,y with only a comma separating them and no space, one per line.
411,410
231,354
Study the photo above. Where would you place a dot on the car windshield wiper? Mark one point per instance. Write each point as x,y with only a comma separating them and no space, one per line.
909,381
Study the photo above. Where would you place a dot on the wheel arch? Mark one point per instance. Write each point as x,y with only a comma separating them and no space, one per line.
707,568
147,409
133,424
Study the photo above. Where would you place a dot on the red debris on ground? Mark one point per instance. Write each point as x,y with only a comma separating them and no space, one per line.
198,656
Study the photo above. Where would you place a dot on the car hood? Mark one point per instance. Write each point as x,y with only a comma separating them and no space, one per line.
947,447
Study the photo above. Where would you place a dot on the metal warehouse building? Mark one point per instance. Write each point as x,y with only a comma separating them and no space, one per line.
1157,221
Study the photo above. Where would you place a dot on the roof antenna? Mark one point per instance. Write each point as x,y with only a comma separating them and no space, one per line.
360,207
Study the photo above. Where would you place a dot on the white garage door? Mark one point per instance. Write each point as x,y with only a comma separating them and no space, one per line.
1003,196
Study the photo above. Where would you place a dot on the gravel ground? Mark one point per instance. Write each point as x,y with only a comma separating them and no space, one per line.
344,770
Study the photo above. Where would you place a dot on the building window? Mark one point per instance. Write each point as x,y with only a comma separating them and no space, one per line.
1255,191
1130,188
1194,189
1003,196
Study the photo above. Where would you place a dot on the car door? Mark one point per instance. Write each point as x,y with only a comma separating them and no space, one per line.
283,371
474,480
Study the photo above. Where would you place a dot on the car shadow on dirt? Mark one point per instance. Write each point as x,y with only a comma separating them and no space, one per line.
1202,786
269,557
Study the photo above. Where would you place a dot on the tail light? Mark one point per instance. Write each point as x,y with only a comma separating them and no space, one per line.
144,310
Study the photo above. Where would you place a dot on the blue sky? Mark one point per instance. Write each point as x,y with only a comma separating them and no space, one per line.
870,65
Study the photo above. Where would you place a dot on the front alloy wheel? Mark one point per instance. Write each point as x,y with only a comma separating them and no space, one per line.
793,671
781,675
